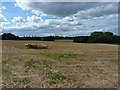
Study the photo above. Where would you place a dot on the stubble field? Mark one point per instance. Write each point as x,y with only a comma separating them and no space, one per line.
63,65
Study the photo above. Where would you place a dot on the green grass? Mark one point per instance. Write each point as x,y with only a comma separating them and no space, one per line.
114,61
4,61
56,55
113,43
58,77
3,69
35,64
44,62
55,77
0,67
22,80
6,71
64,40
78,66
30,64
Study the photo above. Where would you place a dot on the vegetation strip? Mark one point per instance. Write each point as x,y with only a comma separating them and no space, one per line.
21,80
33,64
56,55
4,61
55,77
58,77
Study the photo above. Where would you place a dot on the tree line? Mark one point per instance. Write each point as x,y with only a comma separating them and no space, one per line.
95,37
98,37
9,36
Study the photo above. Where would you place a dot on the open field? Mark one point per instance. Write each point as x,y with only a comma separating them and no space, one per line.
63,64
64,40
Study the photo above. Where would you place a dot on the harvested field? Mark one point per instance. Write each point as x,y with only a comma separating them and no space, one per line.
62,65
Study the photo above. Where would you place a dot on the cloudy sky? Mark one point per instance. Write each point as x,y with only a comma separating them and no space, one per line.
25,18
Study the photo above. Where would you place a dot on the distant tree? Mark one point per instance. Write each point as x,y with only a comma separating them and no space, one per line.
98,37
9,36
49,38
108,34
96,34
81,39
101,37
102,34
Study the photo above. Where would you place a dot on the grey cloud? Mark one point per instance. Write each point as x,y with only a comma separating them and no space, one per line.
99,11
60,9
63,9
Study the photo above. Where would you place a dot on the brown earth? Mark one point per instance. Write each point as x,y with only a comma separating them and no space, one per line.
63,64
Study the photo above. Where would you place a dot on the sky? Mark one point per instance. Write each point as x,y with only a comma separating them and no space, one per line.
25,18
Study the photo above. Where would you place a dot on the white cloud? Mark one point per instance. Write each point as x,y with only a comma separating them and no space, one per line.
68,26
3,7
77,18
3,21
2,18
0,9
34,19
22,4
18,19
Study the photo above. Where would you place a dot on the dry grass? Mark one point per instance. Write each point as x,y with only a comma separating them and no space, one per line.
63,65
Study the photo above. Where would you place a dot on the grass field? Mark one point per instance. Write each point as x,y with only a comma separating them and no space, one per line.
63,65
64,40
